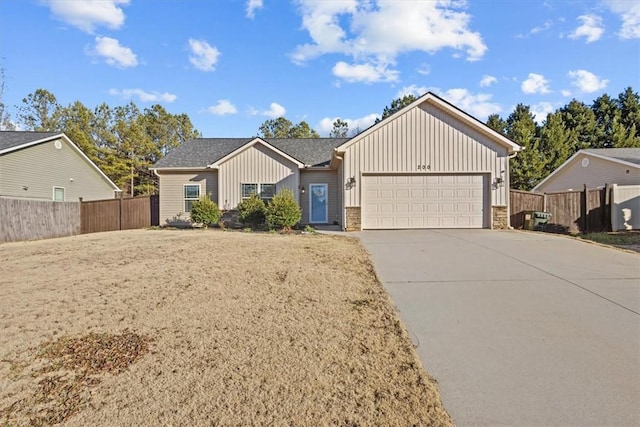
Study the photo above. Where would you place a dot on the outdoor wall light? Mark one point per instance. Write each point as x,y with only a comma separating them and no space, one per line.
499,182
302,189
352,181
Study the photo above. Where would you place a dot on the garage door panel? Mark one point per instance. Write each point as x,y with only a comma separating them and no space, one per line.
423,201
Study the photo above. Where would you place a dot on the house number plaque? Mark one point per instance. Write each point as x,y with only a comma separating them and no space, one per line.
424,167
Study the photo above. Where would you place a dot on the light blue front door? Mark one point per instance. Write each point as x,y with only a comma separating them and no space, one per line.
319,207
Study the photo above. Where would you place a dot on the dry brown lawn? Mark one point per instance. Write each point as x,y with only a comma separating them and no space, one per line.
167,327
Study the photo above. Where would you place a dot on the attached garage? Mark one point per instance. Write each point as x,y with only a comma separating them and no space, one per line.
405,201
429,165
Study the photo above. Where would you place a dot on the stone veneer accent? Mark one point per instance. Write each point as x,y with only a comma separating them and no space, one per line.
353,219
499,218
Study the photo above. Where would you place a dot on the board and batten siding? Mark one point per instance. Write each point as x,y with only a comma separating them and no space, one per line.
41,167
256,164
172,193
425,139
596,174
329,177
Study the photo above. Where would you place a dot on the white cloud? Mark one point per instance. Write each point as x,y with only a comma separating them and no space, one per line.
362,123
114,54
375,32
275,110
425,69
487,80
414,90
565,92
203,56
629,12
478,105
540,111
143,95
366,73
538,29
89,14
252,6
222,108
536,83
586,81
547,24
591,28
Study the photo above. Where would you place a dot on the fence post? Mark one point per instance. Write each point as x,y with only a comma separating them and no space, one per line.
585,205
120,212
81,216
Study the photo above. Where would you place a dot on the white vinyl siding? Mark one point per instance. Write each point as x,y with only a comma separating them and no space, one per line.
425,139
172,204
329,177
255,164
596,174
424,201
31,172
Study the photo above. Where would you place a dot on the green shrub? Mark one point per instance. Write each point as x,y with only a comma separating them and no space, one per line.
283,211
251,211
205,212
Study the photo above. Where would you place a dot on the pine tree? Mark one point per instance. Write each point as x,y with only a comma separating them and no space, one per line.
527,167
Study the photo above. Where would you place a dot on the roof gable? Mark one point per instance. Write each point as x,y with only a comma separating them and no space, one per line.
449,108
249,144
629,157
17,140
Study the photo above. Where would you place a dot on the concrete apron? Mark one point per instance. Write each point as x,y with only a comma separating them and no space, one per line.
525,329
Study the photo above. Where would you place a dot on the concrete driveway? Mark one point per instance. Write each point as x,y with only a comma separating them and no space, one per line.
519,329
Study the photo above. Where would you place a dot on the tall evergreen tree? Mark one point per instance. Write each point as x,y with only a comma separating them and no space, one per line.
340,129
606,111
396,105
40,112
527,167
495,122
554,143
580,122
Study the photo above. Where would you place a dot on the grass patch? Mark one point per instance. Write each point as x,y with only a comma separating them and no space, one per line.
614,238
248,329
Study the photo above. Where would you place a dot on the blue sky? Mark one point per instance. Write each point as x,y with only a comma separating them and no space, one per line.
232,64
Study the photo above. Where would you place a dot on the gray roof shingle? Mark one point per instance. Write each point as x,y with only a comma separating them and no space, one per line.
198,153
10,138
631,155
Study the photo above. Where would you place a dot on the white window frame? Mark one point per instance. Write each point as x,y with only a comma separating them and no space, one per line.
186,199
54,194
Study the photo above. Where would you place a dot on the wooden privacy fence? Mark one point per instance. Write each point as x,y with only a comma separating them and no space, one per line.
583,211
37,219
119,214
42,219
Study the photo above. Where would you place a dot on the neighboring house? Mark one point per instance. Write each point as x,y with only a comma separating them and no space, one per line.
618,168
594,167
48,166
430,165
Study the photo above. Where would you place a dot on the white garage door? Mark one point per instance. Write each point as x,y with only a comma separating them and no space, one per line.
423,201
